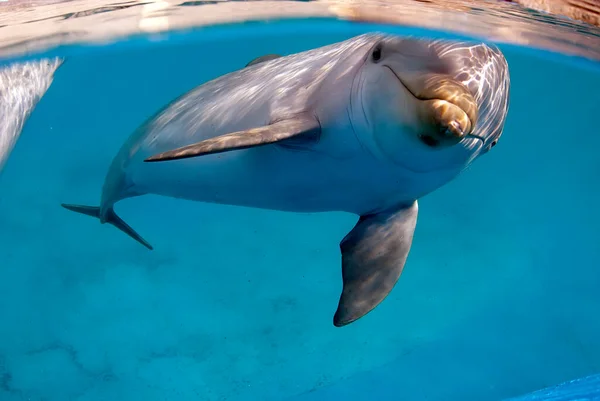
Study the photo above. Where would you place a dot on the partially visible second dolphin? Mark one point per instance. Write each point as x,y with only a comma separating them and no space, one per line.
22,85
366,126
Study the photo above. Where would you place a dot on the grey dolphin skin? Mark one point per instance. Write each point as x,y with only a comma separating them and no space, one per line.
365,126
22,85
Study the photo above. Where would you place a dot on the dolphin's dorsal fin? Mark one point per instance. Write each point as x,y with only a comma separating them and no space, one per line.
260,59
303,128
373,257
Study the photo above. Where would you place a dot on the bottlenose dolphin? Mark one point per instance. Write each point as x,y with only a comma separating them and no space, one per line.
22,85
366,126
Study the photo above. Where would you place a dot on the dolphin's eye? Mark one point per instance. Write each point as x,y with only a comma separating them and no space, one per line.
376,55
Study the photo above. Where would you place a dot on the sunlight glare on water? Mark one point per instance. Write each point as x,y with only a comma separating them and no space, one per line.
499,296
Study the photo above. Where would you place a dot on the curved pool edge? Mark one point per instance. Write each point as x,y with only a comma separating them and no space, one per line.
581,389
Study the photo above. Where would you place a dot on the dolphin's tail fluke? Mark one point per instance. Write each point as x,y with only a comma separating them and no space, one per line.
111,218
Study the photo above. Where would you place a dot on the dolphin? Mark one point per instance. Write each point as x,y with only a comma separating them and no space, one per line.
22,86
366,126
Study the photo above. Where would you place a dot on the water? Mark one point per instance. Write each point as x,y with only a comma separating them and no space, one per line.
499,296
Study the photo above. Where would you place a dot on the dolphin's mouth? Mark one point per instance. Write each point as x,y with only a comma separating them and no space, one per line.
448,110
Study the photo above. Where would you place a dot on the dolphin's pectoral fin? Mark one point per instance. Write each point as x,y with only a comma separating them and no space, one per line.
261,59
111,218
305,128
373,256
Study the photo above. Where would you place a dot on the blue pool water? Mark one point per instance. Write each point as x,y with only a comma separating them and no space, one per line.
499,297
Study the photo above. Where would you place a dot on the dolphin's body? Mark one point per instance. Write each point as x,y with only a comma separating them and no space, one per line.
366,126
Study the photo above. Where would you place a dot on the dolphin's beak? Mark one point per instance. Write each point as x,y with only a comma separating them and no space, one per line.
444,121
446,107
